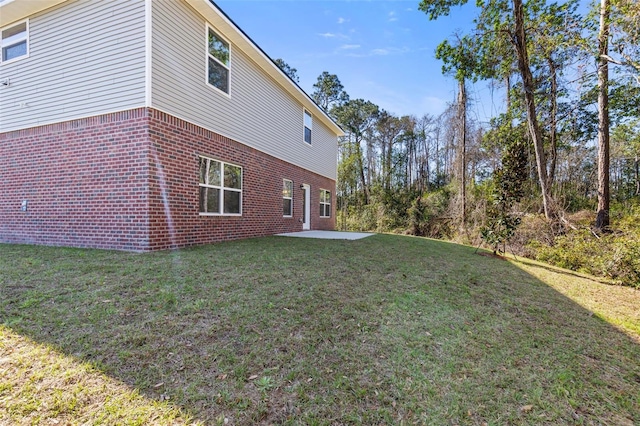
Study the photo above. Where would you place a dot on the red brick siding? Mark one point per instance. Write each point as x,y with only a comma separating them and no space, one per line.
129,181
178,145
85,181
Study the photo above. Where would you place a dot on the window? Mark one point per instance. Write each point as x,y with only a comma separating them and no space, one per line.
307,127
220,188
325,203
287,198
15,42
218,61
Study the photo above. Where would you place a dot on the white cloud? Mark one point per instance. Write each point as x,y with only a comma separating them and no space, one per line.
342,20
392,16
390,51
380,52
373,52
334,35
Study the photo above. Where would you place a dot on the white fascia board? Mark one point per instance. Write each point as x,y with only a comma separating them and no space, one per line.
217,19
16,10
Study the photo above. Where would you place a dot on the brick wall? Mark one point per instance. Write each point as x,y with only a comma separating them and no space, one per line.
129,181
85,182
175,149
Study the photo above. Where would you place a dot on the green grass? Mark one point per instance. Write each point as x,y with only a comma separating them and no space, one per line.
385,330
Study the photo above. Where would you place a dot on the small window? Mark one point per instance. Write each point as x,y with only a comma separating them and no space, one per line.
15,42
220,188
325,203
308,121
218,63
287,198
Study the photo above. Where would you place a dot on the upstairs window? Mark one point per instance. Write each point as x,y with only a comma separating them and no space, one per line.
308,122
220,188
325,203
287,198
14,41
218,61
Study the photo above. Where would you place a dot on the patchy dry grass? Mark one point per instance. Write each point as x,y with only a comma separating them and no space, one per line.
277,330
40,386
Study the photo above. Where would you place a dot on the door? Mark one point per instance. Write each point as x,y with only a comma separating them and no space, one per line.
306,207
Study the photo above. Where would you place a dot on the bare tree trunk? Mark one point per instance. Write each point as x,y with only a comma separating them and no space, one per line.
602,217
636,165
507,81
365,187
462,117
520,43
553,126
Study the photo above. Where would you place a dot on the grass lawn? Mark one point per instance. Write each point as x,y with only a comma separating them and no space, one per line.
385,330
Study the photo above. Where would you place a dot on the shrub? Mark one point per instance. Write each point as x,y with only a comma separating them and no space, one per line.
615,255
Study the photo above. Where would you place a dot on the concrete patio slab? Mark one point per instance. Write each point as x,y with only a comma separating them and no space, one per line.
328,235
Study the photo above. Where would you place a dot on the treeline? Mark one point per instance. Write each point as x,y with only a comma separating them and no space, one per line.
538,179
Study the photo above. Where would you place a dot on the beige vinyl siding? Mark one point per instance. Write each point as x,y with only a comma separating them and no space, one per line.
258,112
85,58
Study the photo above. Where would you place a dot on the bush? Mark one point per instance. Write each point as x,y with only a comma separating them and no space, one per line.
615,255
427,216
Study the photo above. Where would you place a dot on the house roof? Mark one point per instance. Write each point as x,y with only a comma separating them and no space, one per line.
15,10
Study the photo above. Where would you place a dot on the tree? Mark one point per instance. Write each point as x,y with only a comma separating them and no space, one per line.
329,92
602,217
288,70
358,118
514,27
624,35
460,60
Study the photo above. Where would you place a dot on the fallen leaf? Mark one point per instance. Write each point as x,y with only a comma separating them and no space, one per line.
222,376
309,379
158,385
253,377
526,408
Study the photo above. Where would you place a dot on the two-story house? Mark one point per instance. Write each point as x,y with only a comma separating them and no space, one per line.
152,124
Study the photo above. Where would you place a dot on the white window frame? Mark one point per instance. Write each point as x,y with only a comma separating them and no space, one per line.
11,41
326,205
287,198
208,55
306,114
220,187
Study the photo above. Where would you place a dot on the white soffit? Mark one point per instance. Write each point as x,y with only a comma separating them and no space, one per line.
16,10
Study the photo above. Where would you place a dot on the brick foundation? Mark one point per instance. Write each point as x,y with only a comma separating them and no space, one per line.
129,181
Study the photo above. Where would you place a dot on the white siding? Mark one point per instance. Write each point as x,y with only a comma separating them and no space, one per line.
258,112
86,58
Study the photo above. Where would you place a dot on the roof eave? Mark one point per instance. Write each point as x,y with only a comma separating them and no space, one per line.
216,17
16,10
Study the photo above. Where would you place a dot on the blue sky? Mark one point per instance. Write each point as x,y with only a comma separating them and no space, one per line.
381,50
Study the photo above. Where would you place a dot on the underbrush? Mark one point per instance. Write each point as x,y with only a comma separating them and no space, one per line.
614,255
570,244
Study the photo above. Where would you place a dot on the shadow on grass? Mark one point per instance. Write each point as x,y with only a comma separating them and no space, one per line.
558,270
278,330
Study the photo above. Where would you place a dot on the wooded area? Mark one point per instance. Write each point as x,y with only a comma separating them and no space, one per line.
555,176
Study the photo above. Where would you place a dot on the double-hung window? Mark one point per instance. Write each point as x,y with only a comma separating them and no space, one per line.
308,122
220,188
325,203
14,41
287,198
218,61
